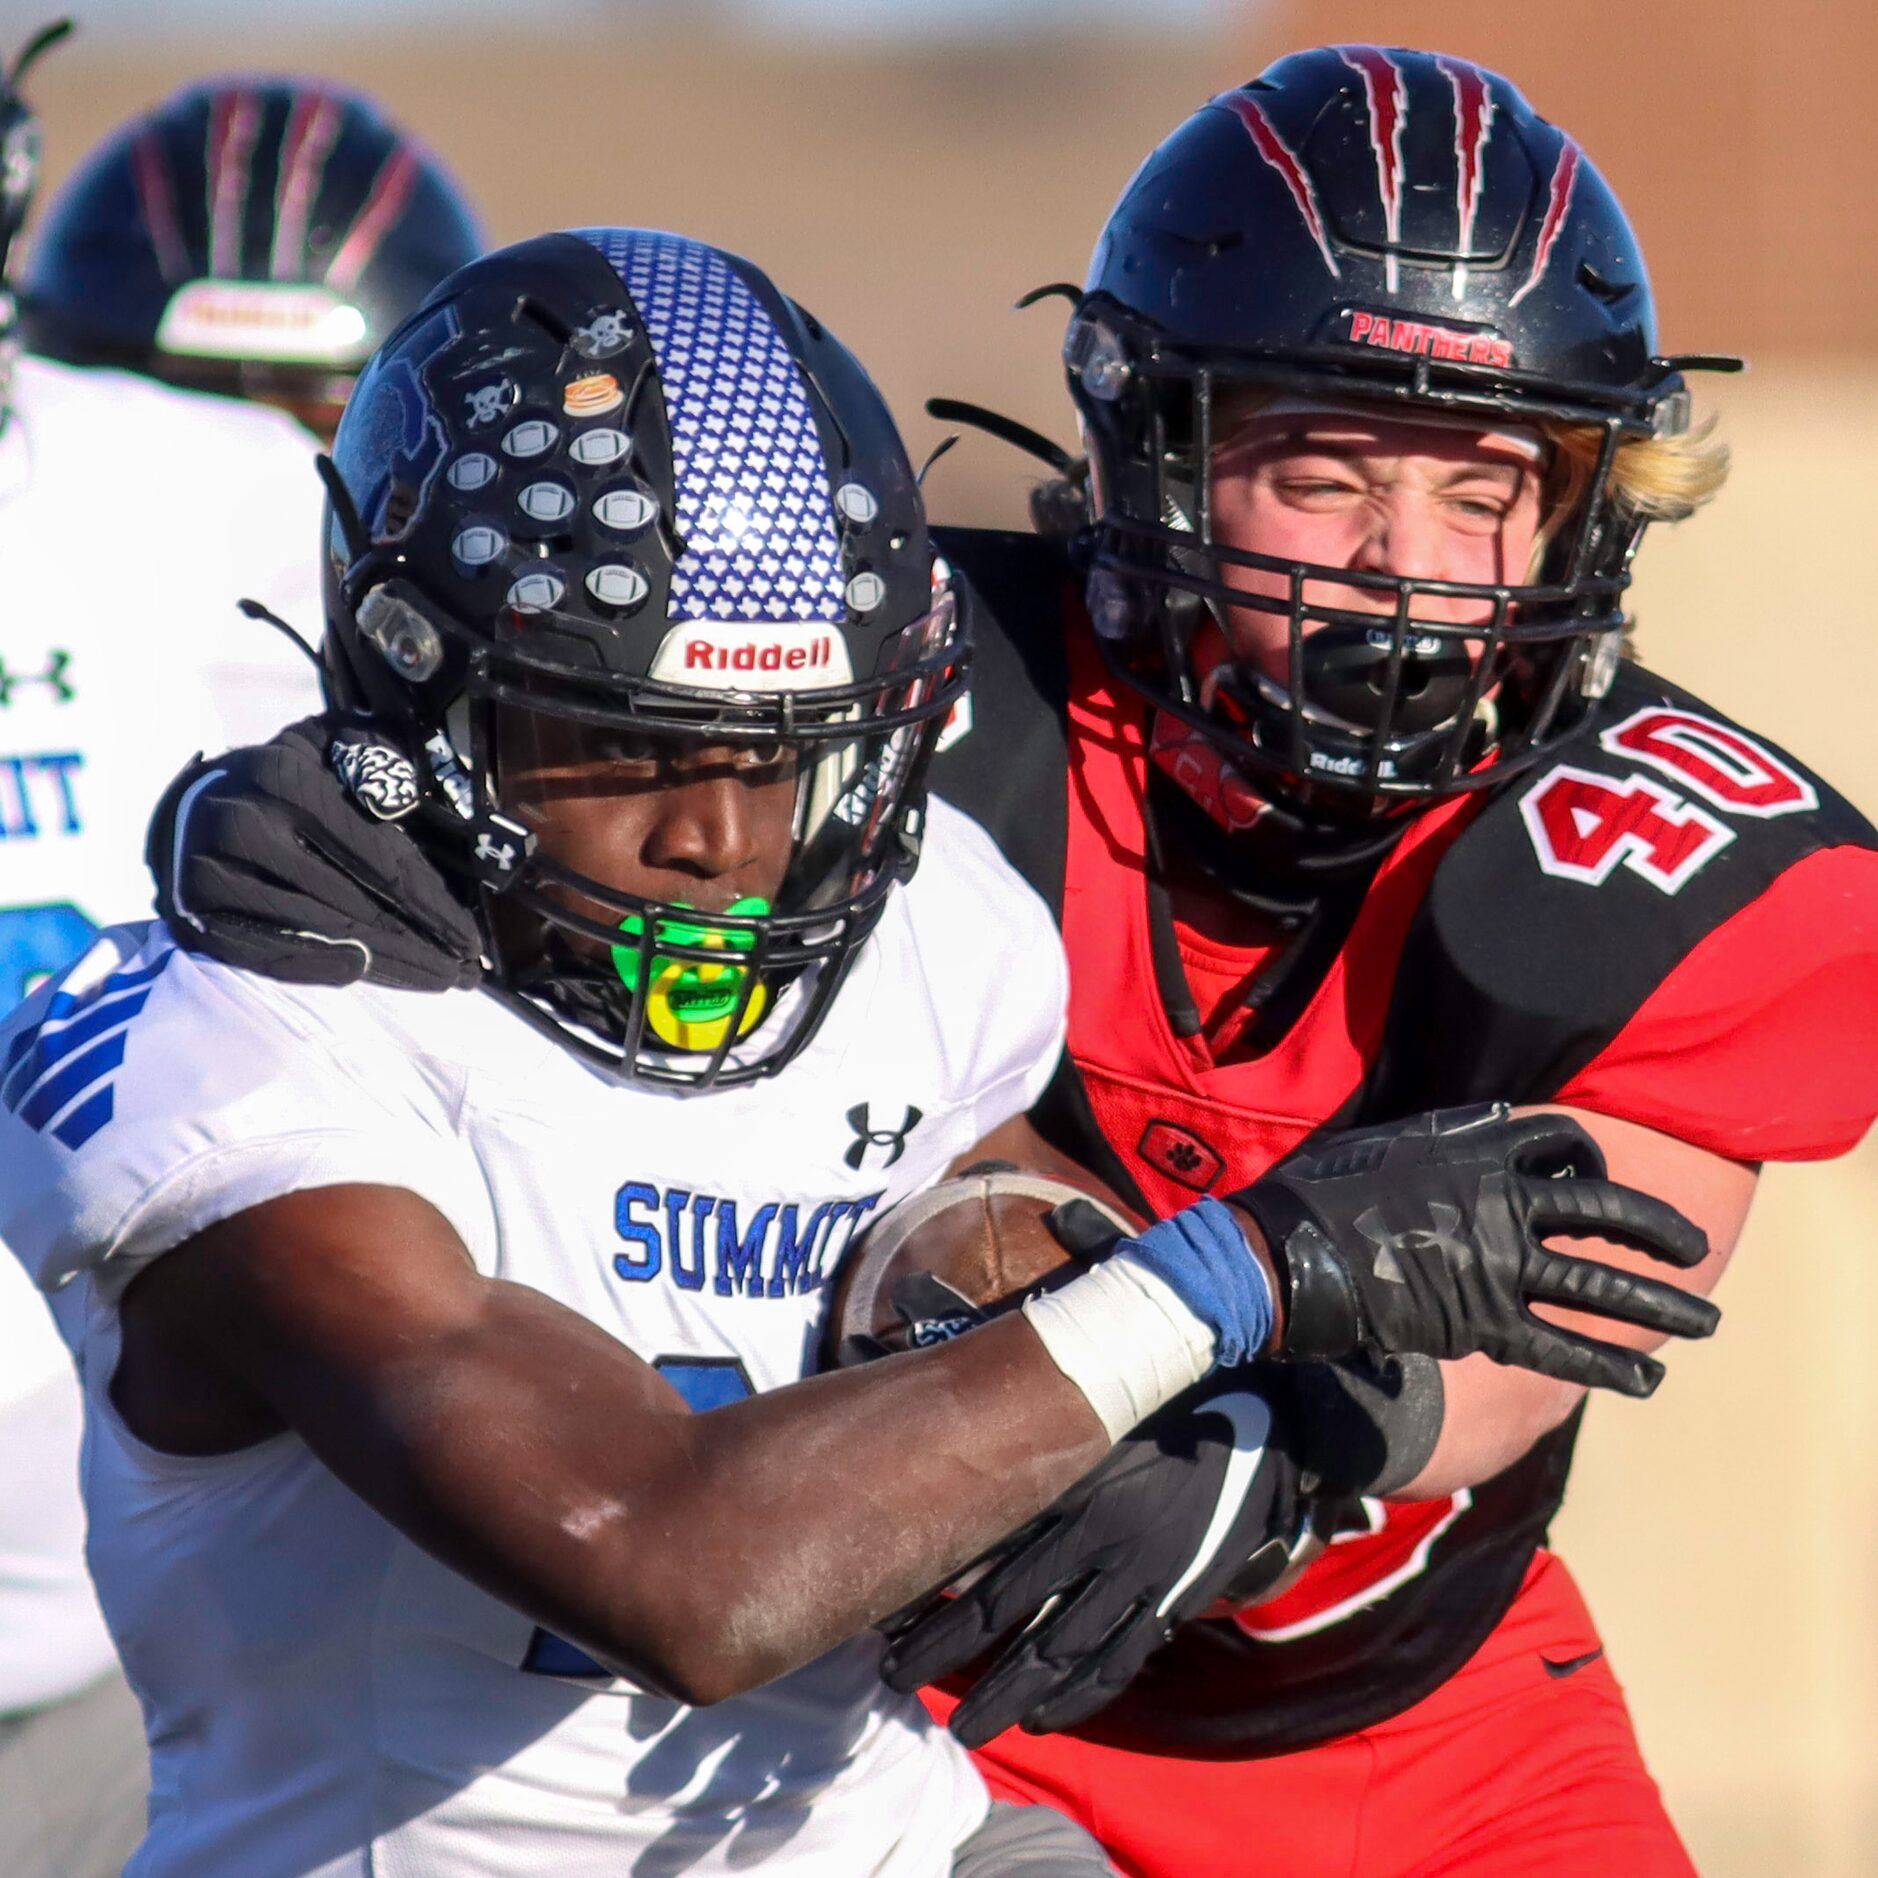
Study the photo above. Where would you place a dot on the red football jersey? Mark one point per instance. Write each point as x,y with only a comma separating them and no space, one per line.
1669,921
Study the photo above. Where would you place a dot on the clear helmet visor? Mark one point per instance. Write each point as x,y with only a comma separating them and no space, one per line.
705,862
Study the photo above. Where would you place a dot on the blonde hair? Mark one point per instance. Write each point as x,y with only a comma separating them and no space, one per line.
1653,479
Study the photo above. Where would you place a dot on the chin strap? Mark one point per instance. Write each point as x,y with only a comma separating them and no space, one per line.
1205,774
1257,849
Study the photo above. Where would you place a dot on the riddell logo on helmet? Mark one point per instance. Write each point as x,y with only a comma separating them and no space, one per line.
224,319
1455,343
786,656
702,656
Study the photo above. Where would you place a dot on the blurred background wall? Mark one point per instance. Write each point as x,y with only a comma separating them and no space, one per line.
908,167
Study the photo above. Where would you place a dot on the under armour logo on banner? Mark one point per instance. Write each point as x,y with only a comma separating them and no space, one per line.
868,1136
52,678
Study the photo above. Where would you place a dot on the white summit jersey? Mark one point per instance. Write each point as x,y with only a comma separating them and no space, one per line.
320,1695
132,518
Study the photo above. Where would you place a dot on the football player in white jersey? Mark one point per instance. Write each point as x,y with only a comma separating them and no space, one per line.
398,1314
133,517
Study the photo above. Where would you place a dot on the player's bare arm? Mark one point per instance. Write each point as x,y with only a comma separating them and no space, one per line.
535,1454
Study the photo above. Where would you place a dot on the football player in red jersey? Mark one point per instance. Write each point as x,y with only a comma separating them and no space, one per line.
1360,783
1321,740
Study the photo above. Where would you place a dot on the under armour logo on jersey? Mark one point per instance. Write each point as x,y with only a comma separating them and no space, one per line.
893,1140
503,855
53,678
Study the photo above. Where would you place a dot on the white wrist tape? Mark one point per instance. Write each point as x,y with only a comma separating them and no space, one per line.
1123,1337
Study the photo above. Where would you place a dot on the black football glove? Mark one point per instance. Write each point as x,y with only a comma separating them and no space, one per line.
287,858
1426,1236
1194,1504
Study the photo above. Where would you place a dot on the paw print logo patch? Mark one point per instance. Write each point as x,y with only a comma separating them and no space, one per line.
1180,1154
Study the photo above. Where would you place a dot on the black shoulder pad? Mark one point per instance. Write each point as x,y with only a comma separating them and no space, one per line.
1007,764
1581,885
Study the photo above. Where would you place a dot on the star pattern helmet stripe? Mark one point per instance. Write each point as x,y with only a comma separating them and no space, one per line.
1473,125
755,511
1564,175
1387,96
1272,147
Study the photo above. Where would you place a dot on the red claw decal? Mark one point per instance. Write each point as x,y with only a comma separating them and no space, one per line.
390,194
1473,125
234,122
311,133
1387,97
1564,174
1272,147
157,199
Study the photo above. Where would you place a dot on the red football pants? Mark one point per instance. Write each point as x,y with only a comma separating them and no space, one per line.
1508,1769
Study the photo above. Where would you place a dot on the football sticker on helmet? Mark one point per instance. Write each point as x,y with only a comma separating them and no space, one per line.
479,544
537,592
617,584
469,473
596,448
530,438
625,510
485,404
592,396
608,332
855,504
546,502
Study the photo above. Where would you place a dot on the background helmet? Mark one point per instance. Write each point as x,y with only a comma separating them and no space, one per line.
254,236
1399,229
616,476
19,179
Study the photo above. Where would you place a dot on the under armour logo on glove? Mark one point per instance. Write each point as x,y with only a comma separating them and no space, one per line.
868,1136
1428,1235
1441,1236
380,779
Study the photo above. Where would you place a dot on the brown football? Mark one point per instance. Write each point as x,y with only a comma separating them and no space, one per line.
960,1249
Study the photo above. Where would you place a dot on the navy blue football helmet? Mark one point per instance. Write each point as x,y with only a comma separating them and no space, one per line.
616,477
19,181
254,236
1401,230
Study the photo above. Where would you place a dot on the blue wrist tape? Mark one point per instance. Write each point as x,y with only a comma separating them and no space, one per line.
1202,1255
